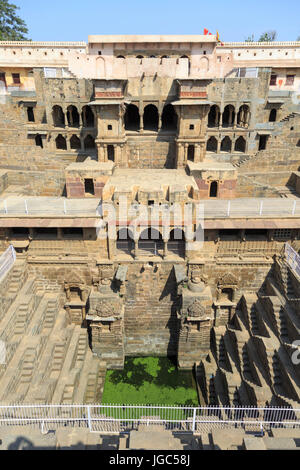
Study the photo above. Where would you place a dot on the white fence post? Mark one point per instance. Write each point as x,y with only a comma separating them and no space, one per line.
65,207
26,207
228,208
194,419
261,207
89,417
294,207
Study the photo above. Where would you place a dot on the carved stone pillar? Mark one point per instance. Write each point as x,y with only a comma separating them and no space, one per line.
185,153
235,120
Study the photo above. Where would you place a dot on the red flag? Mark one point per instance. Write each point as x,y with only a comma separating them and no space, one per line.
205,31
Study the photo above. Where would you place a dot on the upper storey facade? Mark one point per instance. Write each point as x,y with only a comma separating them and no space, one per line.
125,57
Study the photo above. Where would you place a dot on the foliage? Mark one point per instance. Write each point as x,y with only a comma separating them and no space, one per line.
12,27
268,36
250,38
149,381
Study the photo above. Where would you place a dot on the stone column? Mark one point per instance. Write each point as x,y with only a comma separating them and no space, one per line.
185,153
59,233
80,118
230,117
235,120
136,248
202,151
180,155
100,152
117,153
218,309
221,121
141,111
111,248
159,122
217,117
219,145
67,142
166,252
197,156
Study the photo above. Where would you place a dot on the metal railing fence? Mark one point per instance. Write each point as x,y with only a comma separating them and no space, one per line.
7,260
113,419
292,258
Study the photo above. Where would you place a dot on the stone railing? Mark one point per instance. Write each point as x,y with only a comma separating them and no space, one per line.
260,44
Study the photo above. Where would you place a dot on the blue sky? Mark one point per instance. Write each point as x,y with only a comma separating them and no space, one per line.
74,20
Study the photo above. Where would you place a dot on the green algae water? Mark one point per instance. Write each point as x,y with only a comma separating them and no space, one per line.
150,381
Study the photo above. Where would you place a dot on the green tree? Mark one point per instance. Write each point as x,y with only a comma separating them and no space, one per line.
268,36
12,27
250,38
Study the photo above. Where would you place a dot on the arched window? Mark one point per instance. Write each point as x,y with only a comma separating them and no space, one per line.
169,118
58,116
191,153
72,116
61,143
151,241
213,191
111,153
151,118
240,145
226,144
273,115
38,141
120,57
139,56
125,241
176,243
132,118
75,143
243,116
89,142
186,57
88,117
212,144
214,116
228,116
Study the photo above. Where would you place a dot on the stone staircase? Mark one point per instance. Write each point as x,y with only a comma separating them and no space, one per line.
250,360
288,117
48,360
